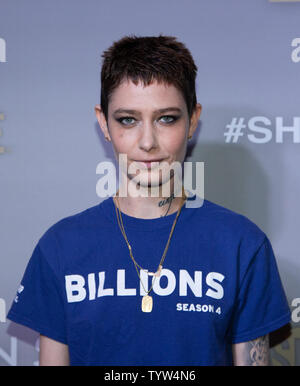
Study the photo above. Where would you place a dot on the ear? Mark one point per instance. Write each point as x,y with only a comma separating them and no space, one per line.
194,120
102,122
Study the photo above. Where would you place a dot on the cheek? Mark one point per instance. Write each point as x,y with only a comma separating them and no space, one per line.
120,142
176,146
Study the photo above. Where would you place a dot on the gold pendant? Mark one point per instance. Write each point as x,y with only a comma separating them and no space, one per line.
147,303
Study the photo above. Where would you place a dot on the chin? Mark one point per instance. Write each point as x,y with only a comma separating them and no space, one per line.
144,182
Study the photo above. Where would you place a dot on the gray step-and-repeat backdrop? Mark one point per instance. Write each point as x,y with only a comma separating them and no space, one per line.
248,58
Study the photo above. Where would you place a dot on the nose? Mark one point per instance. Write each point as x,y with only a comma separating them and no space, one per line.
147,140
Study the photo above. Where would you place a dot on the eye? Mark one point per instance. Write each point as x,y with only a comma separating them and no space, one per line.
168,118
126,121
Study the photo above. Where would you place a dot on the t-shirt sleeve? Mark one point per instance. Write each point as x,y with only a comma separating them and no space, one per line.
262,306
38,303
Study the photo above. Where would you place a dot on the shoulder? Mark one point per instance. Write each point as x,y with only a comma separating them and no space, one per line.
226,224
86,219
71,234
72,222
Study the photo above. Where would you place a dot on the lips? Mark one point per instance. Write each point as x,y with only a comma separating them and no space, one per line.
149,163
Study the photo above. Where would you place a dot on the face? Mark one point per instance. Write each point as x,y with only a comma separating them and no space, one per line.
151,126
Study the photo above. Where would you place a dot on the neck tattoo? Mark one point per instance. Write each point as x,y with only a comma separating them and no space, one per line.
168,200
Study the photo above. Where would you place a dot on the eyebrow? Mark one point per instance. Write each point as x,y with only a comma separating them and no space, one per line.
128,111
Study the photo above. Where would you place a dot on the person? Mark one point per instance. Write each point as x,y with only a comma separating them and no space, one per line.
146,279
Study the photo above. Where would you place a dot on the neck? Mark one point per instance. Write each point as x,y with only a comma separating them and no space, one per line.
149,206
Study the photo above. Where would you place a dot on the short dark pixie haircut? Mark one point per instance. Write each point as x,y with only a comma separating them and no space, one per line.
146,59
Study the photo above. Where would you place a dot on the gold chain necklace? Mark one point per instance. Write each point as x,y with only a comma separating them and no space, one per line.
147,301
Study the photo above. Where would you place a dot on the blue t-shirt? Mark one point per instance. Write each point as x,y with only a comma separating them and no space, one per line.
219,285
